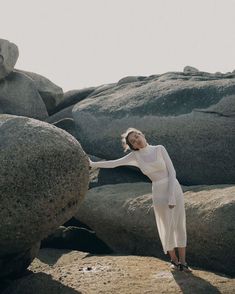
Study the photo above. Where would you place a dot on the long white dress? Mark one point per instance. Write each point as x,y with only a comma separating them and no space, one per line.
155,162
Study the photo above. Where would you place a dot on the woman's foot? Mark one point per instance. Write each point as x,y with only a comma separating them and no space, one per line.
174,265
184,267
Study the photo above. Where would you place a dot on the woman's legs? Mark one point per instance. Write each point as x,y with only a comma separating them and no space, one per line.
173,256
182,262
182,254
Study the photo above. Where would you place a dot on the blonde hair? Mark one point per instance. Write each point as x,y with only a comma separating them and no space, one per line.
124,138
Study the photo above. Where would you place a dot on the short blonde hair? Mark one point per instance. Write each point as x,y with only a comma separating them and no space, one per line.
124,138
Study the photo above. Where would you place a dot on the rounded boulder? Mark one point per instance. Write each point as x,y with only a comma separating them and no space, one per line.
44,177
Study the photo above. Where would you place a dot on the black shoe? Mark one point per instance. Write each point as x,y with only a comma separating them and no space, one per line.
184,268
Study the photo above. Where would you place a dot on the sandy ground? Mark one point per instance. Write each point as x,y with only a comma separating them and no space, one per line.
74,272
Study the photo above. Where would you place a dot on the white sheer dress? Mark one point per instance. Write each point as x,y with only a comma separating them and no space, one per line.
155,163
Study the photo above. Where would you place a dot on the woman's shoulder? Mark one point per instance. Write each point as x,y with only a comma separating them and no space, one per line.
159,146
156,147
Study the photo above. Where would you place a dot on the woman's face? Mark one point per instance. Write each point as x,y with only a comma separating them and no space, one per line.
138,141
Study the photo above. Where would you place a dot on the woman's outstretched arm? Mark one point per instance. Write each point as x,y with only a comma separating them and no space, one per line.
172,175
129,159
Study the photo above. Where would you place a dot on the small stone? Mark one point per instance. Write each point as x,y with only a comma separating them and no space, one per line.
190,69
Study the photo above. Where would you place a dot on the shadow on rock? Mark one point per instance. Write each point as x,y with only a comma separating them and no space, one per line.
190,284
39,283
76,238
51,259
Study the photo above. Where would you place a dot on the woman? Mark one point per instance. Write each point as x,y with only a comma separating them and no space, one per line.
167,194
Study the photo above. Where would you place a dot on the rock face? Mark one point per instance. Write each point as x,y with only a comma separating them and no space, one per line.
60,271
44,178
122,216
192,114
9,54
19,96
51,94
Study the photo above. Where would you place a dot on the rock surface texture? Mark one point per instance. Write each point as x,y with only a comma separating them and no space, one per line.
44,178
60,271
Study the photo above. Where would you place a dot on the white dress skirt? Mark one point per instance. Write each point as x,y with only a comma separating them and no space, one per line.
171,223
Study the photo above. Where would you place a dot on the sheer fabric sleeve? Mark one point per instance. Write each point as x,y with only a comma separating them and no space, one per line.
129,159
171,174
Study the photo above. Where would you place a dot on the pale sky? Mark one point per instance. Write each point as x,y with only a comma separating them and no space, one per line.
82,43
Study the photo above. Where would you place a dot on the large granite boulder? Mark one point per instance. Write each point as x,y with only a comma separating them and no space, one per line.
192,114
51,94
44,178
122,216
9,54
19,96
